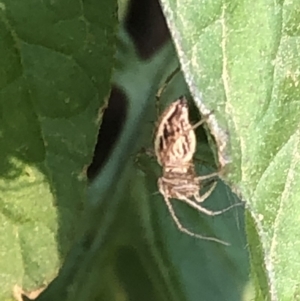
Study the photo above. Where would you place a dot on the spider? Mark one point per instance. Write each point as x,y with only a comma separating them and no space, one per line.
175,145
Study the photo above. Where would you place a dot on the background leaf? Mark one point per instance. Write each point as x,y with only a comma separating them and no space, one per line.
56,63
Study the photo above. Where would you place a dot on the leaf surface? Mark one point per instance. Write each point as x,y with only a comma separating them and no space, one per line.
241,60
56,64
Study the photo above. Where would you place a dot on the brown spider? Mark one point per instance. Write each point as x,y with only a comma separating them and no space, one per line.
175,145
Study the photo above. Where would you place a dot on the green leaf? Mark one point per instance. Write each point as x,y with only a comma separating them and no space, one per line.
241,60
94,246
129,248
56,64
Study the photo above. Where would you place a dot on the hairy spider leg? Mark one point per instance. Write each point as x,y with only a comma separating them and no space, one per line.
185,230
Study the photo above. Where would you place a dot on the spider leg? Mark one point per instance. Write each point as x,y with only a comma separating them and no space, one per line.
200,122
204,196
201,199
202,209
211,175
198,207
185,230
197,124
